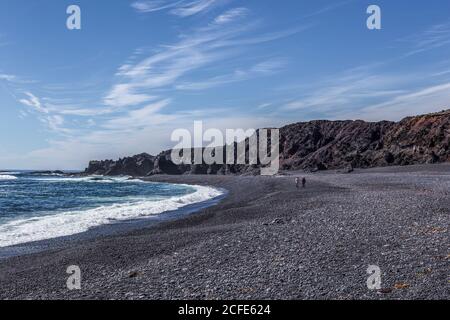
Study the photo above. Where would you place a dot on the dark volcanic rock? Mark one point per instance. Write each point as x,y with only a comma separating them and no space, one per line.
55,172
319,145
164,165
139,165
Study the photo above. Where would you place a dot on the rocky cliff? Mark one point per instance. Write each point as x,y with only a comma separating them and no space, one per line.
139,165
320,145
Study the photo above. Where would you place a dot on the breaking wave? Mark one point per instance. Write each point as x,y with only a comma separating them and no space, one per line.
7,177
73,222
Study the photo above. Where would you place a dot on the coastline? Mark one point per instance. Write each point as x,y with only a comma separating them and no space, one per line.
115,228
266,240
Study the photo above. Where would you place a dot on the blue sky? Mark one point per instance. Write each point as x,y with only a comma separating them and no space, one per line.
139,69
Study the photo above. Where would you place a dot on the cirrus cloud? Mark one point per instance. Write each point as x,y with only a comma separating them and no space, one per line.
180,8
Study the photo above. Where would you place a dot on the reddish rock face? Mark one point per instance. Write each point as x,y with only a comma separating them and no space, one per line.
337,144
321,145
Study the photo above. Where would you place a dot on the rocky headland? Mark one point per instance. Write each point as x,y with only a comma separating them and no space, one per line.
319,145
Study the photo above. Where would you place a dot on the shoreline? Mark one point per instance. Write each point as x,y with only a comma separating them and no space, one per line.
267,240
119,227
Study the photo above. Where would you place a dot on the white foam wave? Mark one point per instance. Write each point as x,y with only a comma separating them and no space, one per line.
97,179
7,177
73,222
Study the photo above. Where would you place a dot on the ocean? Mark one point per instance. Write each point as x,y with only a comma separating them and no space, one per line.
36,206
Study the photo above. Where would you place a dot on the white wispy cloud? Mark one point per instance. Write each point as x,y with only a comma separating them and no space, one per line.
441,73
133,114
351,89
416,101
125,94
231,15
193,7
8,77
264,105
327,8
76,110
267,67
435,37
197,49
141,81
365,93
262,38
53,122
183,8
152,6
34,102
11,78
47,105
141,118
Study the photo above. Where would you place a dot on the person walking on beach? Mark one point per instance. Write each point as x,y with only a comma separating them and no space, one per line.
297,182
304,182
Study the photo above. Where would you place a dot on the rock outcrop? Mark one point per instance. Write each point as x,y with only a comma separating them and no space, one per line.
138,165
320,145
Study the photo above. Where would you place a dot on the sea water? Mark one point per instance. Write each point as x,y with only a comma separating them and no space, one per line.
43,206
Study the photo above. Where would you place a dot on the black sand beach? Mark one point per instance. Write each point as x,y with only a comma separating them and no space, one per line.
268,240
